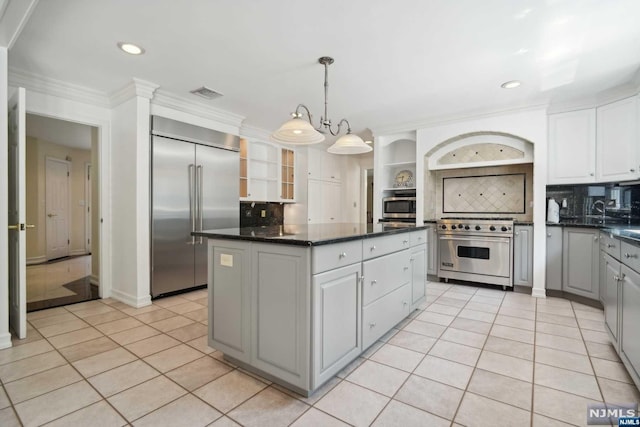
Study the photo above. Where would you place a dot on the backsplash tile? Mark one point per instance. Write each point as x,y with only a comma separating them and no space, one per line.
504,194
251,214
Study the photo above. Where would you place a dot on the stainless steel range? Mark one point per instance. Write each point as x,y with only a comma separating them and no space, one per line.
476,249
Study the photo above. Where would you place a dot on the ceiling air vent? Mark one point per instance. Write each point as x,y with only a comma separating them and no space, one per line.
206,93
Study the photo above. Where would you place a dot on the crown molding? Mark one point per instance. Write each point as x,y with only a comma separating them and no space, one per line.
46,85
254,132
169,100
605,97
439,121
135,88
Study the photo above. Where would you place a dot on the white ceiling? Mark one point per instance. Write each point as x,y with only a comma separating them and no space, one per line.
395,61
60,132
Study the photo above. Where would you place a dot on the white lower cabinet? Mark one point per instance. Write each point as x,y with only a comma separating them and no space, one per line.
336,320
610,287
581,262
630,319
418,274
432,252
384,313
384,274
523,255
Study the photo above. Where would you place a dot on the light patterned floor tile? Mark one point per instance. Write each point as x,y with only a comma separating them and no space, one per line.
564,359
617,392
8,418
560,405
602,351
103,362
471,325
569,381
437,318
477,315
353,404
152,345
594,325
29,366
464,337
513,334
456,352
201,344
611,370
560,343
173,357
46,313
88,348
41,383
379,378
229,391
397,357
113,327
93,311
445,371
557,320
99,414
184,307
270,407
595,336
515,322
75,337
411,341
171,323
53,320
123,377
105,317
4,399
506,365
485,308
431,396
199,315
34,348
399,414
188,411
135,334
57,403
155,316
560,330
517,312
64,327
316,418
424,328
482,412
443,309
146,397
502,388
198,373
189,332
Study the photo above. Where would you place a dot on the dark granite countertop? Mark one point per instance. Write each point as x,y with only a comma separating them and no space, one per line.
522,222
629,233
305,235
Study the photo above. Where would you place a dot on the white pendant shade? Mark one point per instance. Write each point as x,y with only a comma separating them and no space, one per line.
297,131
349,144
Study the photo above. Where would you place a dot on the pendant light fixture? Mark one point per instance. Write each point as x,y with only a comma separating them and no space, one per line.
300,130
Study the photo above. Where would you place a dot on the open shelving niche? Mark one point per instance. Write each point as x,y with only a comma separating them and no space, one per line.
397,156
266,172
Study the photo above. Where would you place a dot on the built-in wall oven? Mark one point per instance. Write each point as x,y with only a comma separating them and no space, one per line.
399,207
477,250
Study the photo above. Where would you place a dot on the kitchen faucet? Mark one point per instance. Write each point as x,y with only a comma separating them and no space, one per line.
602,210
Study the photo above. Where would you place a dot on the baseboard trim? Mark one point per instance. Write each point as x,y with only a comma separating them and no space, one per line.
131,300
76,252
36,260
538,293
94,280
5,340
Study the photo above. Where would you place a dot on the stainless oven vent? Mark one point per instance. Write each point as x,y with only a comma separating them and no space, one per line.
206,93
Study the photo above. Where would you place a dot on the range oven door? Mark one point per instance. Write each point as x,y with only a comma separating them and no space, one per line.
487,256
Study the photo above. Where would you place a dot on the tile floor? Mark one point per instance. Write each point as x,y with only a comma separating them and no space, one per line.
471,356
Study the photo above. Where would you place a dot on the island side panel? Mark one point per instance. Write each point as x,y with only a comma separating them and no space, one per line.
282,315
229,297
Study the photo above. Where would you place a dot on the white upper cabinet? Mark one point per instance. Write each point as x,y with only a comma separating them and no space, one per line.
266,172
618,140
572,147
324,166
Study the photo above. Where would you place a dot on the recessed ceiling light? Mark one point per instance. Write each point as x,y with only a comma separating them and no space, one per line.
521,51
131,48
510,84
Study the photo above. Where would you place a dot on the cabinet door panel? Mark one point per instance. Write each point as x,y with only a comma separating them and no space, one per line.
610,277
384,313
630,336
618,141
523,256
336,320
580,262
432,252
384,274
418,272
572,147
554,258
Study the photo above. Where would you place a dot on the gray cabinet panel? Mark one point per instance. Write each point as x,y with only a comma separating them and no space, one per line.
336,320
229,298
341,254
378,246
381,315
630,315
630,255
418,273
384,274
581,262
280,295
610,278
554,258
432,251
523,255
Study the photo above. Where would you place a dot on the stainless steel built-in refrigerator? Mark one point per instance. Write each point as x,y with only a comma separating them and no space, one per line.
195,187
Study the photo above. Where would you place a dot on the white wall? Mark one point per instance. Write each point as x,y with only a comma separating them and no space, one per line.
5,336
527,124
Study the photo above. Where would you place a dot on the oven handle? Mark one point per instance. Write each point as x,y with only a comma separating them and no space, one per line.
475,239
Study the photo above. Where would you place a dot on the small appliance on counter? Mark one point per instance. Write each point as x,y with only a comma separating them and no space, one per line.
553,211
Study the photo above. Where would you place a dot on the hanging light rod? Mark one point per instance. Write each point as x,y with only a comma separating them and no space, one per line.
298,131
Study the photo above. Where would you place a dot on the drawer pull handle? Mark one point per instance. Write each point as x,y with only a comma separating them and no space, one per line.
404,303
548,234
628,255
373,248
616,277
609,245
411,259
404,242
343,255
406,267
373,282
372,324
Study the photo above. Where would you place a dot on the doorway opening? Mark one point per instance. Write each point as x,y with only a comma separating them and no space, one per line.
366,215
62,194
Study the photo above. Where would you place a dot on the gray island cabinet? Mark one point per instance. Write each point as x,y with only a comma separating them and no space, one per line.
296,304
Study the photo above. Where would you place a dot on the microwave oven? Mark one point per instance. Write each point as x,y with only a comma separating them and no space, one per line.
399,207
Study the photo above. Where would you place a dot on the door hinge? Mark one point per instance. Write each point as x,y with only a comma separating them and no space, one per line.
68,242
88,241
67,173
88,208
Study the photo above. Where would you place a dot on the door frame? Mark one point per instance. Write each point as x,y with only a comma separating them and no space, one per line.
87,207
97,116
48,159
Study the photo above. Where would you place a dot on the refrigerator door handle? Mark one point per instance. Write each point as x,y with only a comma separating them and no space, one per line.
192,201
199,198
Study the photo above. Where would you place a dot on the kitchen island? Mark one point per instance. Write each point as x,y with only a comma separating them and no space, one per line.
298,303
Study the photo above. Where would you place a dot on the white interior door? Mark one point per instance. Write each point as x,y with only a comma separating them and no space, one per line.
87,208
17,238
57,207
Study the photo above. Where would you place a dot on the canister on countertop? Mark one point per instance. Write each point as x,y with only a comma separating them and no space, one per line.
553,211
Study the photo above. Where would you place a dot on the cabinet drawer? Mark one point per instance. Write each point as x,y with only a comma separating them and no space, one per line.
328,257
378,246
630,255
379,317
384,274
418,237
610,245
